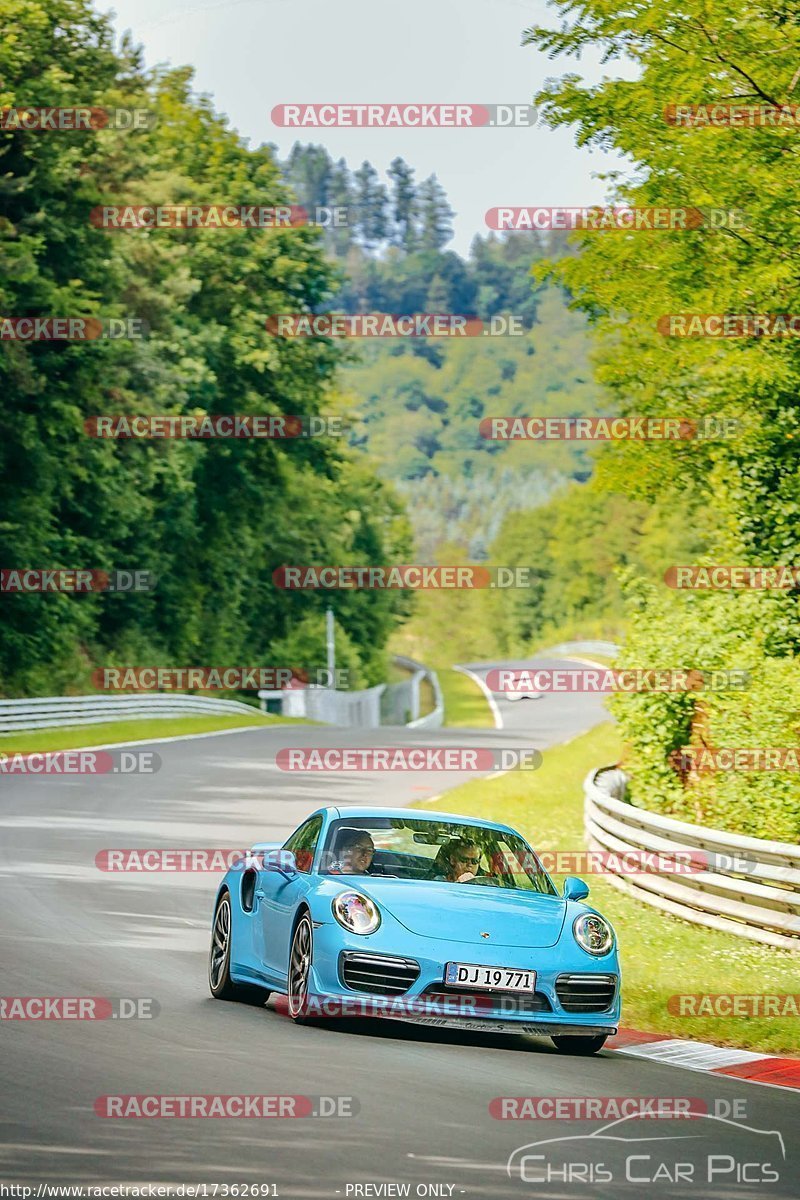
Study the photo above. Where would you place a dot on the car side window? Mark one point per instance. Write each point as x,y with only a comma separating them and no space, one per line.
303,843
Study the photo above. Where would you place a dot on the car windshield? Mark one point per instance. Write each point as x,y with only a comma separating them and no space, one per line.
434,851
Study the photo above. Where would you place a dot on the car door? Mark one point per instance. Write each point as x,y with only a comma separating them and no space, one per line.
277,897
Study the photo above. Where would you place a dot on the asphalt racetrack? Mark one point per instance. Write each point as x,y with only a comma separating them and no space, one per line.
422,1095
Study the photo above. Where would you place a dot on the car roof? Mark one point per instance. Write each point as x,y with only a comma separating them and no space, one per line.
374,810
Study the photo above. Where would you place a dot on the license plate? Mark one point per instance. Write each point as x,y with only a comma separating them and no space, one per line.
493,979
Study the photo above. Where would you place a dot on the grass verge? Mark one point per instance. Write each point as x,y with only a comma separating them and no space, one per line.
662,956
71,736
464,702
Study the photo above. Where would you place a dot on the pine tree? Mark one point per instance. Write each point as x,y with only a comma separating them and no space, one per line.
308,171
371,205
404,204
435,215
341,195
438,298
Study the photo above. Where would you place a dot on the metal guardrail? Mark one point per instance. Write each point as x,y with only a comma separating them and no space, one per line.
435,718
368,708
353,710
752,887
606,649
50,712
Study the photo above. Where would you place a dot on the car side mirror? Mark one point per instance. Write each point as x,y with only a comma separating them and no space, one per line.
282,861
575,889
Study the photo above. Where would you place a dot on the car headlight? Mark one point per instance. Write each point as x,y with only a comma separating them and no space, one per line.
356,913
593,933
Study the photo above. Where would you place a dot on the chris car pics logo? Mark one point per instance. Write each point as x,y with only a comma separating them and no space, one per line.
712,1150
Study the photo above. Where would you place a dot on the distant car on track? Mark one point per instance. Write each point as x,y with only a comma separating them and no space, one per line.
427,917
522,692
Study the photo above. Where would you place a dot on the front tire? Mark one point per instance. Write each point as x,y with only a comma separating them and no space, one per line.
220,983
300,957
580,1045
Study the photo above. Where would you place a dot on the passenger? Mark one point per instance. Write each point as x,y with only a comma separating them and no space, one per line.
458,861
355,852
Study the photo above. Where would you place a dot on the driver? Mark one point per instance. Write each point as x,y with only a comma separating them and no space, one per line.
355,852
458,861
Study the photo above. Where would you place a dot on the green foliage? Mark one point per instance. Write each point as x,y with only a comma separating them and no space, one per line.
409,216
700,52
712,632
371,203
420,402
404,203
305,647
420,419
212,520
576,546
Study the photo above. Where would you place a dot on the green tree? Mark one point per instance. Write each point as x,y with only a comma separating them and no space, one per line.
371,205
213,519
341,195
308,171
700,52
404,204
435,215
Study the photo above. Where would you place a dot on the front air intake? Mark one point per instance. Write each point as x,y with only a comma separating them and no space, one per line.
586,993
378,973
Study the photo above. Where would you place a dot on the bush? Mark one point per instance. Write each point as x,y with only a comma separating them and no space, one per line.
713,631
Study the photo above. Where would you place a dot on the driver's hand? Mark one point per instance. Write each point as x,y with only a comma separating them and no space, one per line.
466,877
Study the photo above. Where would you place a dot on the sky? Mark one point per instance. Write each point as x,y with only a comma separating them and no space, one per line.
250,55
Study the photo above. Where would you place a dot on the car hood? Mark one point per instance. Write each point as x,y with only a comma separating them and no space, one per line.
466,912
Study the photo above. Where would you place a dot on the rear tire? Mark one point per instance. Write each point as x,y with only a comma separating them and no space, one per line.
580,1045
220,983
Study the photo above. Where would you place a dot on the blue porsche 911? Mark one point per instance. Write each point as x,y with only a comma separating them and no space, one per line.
416,916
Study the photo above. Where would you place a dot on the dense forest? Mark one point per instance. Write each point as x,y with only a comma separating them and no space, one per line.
418,403
210,520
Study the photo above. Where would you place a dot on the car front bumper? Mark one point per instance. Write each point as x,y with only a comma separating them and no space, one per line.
500,1013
